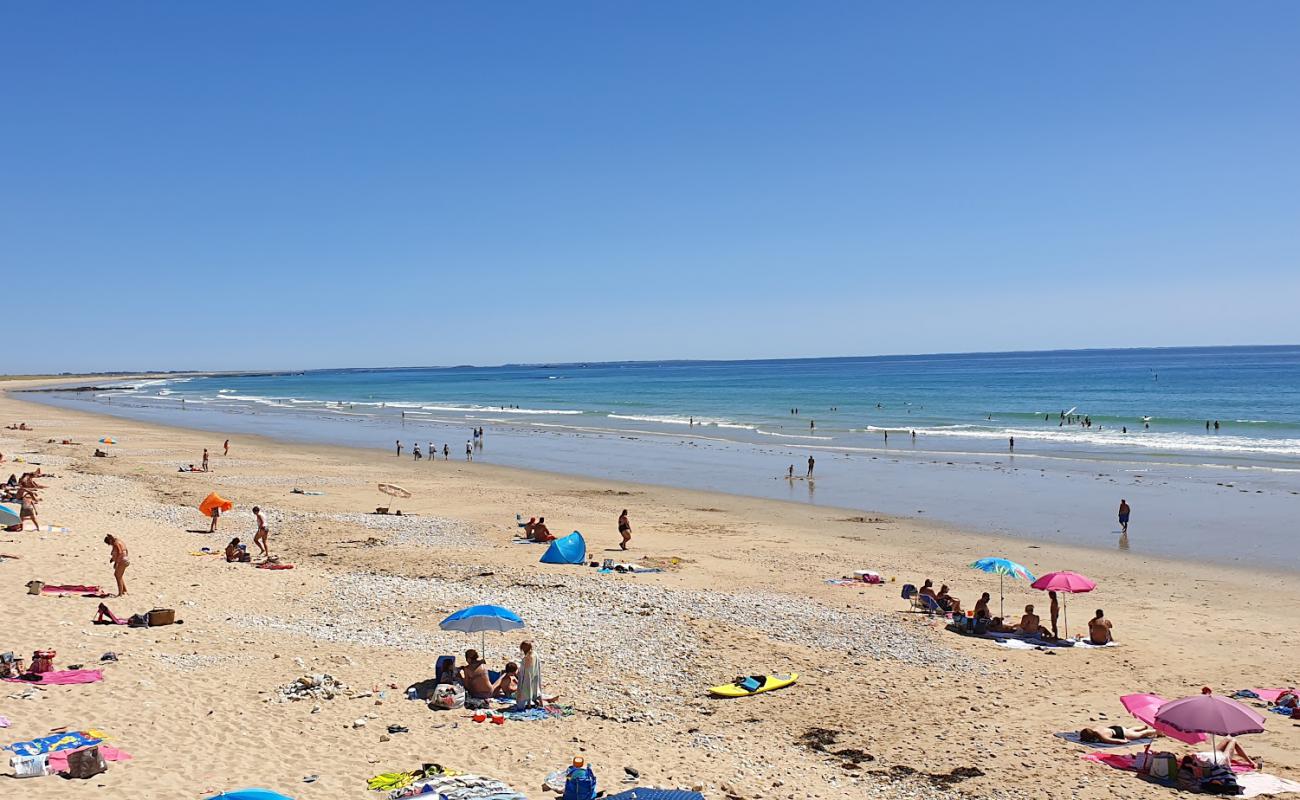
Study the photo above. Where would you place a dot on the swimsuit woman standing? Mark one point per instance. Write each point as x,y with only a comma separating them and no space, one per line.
624,529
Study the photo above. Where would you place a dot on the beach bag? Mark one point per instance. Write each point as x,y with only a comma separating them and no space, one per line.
446,698
580,784
138,621
30,766
1162,765
86,763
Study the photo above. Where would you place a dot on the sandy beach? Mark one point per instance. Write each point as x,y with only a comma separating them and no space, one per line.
888,703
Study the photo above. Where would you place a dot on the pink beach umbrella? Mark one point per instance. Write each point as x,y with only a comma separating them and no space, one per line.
1210,713
1068,582
1144,707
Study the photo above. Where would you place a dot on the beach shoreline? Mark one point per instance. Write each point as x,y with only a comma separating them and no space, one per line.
744,591
1182,509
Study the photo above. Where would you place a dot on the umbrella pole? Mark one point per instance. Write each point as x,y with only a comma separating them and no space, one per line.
1002,612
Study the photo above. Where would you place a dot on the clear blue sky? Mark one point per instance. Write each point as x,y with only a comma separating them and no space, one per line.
266,185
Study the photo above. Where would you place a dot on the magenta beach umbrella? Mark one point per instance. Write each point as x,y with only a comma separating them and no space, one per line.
1068,582
1144,707
1210,713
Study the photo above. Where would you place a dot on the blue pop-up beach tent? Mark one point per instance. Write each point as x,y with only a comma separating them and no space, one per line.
571,549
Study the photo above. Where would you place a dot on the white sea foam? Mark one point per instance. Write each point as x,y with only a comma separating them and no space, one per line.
795,435
1149,441
678,420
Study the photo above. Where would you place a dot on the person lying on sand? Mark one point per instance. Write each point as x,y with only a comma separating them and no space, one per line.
946,601
1116,734
508,683
982,607
235,553
474,676
1099,629
1227,751
28,481
1030,624
997,625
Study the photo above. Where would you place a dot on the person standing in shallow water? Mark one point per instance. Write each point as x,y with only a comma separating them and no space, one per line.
811,463
1124,512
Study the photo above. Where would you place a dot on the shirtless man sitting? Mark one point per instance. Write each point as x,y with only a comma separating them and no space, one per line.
927,588
541,533
982,607
474,677
1099,629
1030,624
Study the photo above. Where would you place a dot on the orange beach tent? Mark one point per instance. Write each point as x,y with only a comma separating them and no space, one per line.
212,501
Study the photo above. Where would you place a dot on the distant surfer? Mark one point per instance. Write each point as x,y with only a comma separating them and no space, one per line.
1124,511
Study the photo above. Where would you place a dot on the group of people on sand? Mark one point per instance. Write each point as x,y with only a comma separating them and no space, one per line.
1030,624
535,530
520,681
22,490
237,552
20,426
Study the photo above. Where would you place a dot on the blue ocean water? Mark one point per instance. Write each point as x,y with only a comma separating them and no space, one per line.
1228,495
1153,402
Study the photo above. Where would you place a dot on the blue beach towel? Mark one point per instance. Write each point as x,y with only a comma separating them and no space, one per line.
56,742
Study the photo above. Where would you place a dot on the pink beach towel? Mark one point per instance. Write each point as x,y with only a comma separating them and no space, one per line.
64,677
74,588
1270,695
1126,762
59,760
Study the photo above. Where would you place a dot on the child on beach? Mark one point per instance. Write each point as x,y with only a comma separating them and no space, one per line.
508,683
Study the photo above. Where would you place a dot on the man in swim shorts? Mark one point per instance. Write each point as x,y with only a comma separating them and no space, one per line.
1124,511
1099,629
474,676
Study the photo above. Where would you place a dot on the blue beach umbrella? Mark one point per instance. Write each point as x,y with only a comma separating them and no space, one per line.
481,619
1003,568
8,517
250,794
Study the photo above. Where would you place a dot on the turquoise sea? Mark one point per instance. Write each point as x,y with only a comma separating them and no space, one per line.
737,426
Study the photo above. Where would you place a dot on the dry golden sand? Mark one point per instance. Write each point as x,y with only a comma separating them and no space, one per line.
632,654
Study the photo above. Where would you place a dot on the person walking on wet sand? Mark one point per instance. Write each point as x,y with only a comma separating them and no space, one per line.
446,452
399,448
415,452
1124,511
811,463
469,450
225,448
1011,444
120,560
624,529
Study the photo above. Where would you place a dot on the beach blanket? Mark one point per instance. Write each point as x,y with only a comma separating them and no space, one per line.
55,529
62,677
467,787
59,760
73,740
640,793
533,714
1073,736
74,588
849,582
1253,783
1267,695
